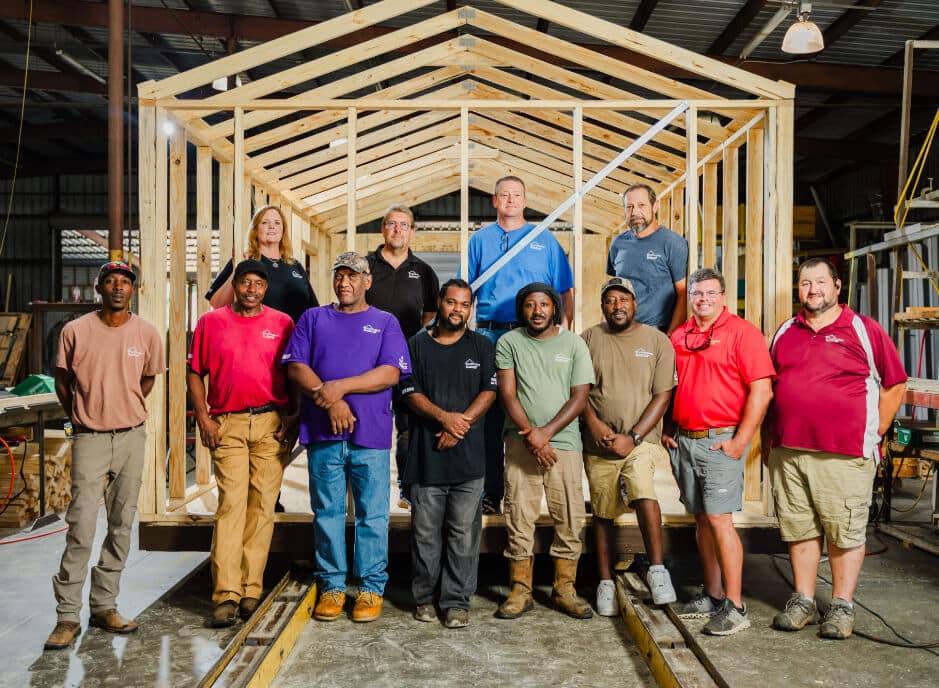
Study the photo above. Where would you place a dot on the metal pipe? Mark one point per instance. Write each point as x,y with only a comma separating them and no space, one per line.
115,128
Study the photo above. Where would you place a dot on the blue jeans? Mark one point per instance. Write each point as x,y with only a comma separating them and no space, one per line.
494,487
331,464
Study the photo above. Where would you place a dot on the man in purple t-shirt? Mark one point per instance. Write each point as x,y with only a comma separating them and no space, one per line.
345,358
839,383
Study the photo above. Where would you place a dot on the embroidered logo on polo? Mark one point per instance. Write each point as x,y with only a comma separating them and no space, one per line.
370,329
267,334
413,275
471,364
494,380
296,274
535,246
833,339
562,358
134,352
403,364
642,353
652,255
286,357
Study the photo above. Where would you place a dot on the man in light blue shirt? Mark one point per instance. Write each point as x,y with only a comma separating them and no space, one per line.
653,258
542,260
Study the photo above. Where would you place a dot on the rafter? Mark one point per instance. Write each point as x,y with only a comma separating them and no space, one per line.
737,25
643,14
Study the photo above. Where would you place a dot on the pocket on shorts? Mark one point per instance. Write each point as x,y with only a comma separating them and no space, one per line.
858,512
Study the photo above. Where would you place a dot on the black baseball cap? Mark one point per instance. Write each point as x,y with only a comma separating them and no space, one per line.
250,265
117,266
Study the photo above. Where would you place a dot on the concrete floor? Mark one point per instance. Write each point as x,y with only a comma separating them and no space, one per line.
168,593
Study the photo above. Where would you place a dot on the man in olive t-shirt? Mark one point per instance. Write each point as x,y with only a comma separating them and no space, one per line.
634,365
544,375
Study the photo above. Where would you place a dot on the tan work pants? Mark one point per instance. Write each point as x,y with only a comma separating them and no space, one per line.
525,482
248,471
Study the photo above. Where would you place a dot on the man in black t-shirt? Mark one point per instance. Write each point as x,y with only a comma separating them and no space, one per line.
452,385
405,286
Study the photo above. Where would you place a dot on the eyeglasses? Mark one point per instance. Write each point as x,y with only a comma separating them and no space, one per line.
707,339
391,224
710,295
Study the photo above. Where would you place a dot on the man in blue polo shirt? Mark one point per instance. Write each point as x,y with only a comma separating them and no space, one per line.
542,260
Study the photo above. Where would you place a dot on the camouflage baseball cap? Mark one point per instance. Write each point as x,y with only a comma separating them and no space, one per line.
618,283
353,261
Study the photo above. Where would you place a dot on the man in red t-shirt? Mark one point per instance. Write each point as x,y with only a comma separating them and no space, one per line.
825,446
244,422
724,386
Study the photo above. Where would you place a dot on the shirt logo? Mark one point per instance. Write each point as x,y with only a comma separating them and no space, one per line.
832,339
296,274
535,246
370,329
413,275
267,334
652,255
134,352
494,380
561,358
286,357
642,353
471,364
402,363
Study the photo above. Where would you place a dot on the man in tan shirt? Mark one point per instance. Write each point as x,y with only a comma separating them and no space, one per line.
107,362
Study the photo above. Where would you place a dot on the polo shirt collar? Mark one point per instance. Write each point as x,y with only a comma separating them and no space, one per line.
379,256
692,324
842,321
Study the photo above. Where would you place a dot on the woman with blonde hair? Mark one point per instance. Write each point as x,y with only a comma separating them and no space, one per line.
289,289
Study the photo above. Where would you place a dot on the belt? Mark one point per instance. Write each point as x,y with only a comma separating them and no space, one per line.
81,429
257,410
701,434
493,325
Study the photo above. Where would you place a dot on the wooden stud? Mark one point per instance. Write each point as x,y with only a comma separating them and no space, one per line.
730,224
753,262
158,398
203,273
351,188
709,224
770,219
783,156
239,196
578,163
243,226
691,188
260,198
178,301
678,209
464,191
226,213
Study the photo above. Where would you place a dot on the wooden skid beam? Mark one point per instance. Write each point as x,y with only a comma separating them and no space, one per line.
178,302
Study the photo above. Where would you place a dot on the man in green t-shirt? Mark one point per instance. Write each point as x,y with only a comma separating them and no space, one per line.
634,365
544,375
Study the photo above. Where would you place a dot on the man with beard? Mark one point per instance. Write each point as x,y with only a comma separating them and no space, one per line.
544,376
452,384
653,258
405,286
345,358
634,365
106,366
825,447
724,386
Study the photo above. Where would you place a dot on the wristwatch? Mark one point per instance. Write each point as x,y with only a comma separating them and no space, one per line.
637,438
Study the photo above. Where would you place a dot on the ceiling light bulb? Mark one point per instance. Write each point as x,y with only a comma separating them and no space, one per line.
802,38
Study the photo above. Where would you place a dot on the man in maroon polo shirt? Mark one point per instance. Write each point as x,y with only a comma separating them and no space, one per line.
838,385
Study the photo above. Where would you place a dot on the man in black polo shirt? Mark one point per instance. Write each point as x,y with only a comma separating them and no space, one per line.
405,286
453,383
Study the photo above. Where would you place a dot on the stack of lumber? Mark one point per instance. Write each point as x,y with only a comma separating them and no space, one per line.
25,507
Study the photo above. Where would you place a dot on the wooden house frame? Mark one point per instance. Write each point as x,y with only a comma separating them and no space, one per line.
455,101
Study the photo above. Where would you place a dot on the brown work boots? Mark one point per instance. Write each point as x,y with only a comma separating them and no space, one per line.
519,600
63,635
564,597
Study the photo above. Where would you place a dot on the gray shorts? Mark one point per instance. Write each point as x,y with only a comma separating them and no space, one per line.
710,482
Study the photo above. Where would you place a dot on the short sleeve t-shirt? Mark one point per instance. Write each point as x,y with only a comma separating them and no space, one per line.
407,292
831,379
107,364
337,345
713,383
630,368
545,371
542,260
241,357
653,264
451,376
288,287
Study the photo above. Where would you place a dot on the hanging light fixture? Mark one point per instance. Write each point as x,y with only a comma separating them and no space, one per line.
803,37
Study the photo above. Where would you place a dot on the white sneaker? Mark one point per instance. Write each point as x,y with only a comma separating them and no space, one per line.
660,583
606,599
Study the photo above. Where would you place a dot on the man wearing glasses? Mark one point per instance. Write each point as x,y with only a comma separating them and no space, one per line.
542,260
405,286
724,388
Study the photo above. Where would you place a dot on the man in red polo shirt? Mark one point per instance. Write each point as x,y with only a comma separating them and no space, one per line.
825,447
724,387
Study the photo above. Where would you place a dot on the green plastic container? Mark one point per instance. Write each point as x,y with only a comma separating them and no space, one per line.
34,384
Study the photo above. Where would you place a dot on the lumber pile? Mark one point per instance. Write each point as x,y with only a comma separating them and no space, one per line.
24,508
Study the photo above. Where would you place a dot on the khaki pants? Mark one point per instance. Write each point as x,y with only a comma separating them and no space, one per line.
525,482
96,455
248,471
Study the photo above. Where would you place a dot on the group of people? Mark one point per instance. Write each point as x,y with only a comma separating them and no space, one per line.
395,352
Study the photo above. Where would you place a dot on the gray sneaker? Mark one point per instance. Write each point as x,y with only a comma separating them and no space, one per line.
457,618
660,583
797,614
727,620
838,623
425,612
699,607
